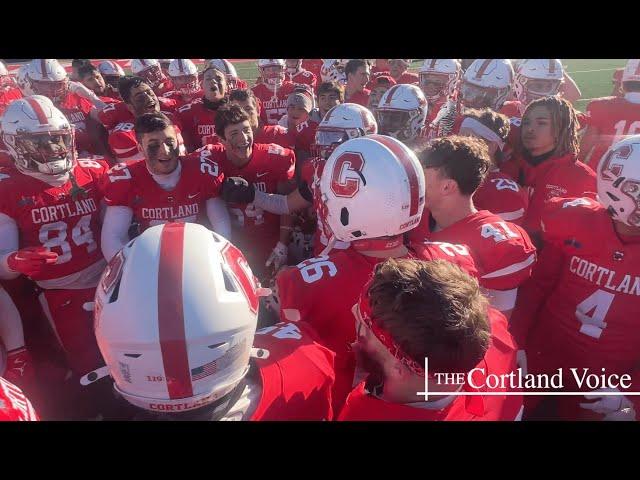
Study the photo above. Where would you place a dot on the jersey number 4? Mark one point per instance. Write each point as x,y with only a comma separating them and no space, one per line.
592,311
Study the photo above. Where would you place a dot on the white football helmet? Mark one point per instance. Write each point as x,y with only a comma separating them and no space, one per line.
343,122
631,72
226,67
47,77
486,83
111,72
402,111
149,69
333,70
177,305
272,71
164,63
371,187
295,69
537,78
6,80
23,81
439,77
618,181
184,75
38,136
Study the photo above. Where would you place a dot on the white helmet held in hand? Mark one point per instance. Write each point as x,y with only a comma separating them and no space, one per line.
332,70
619,181
486,83
537,78
47,77
184,75
341,123
371,187
38,136
402,111
149,69
439,77
175,317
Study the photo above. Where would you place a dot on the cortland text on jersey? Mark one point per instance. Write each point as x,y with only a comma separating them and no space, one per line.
604,277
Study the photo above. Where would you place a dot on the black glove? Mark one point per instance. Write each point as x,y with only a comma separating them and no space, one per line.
237,190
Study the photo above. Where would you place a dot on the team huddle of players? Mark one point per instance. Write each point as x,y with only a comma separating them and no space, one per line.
202,249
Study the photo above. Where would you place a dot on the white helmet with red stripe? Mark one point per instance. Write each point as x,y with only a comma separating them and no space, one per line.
631,72
341,123
149,69
184,75
486,83
175,316
439,77
332,70
38,136
47,77
371,187
111,72
402,111
23,81
272,71
537,78
226,67
164,63
619,181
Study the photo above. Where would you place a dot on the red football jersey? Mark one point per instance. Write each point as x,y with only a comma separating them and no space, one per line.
114,113
614,118
501,250
408,78
56,217
8,96
590,318
512,108
297,375
501,194
273,103
303,77
314,65
180,99
361,98
198,123
14,406
255,231
77,109
500,359
165,87
555,177
305,135
131,185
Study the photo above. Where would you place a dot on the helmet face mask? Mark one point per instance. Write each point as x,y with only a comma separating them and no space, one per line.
272,75
434,85
341,123
152,75
327,139
55,90
474,96
186,84
394,123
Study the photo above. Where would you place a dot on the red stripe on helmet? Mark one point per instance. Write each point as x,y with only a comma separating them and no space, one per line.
402,155
37,108
43,66
433,63
144,64
390,93
482,69
180,65
170,312
552,66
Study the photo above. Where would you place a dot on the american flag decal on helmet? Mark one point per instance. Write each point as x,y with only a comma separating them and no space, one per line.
220,363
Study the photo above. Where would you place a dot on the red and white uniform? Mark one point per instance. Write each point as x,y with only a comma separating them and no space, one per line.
297,376
14,406
589,318
52,217
408,78
322,290
131,185
501,194
7,96
361,98
303,77
555,177
198,123
614,118
254,231
118,112
500,359
124,145
313,65
502,251
77,109
179,97
273,104
304,135
265,134
165,87
512,108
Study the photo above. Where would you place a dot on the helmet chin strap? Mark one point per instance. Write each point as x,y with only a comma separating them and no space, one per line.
55,180
329,247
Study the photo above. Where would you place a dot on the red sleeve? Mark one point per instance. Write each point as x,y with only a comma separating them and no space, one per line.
562,217
295,294
108,116
122,141
284,162
208,171
116,185
167,104
457,254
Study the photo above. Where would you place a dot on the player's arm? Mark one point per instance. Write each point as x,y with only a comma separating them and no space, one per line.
115,230
570,90
8,245
286,220
218,216
588,143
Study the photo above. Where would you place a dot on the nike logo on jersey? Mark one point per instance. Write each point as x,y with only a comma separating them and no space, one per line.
193,195
258,175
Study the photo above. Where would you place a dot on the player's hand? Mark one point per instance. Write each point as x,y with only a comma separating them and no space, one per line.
237,190
278,256
614,407
30,261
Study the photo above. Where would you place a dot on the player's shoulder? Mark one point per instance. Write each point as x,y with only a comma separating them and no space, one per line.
498,233
10,177
93,162
273,150
191,106
569,216
458,254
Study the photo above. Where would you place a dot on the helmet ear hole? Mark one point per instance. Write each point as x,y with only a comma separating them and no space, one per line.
344,216
229,283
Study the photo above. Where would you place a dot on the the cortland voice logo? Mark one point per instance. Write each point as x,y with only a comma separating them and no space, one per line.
518,382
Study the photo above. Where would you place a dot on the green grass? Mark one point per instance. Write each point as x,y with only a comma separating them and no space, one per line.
594,77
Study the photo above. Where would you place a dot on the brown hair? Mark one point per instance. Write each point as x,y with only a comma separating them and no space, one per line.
463,159
328,87
432,309
564,122
151,122
229,115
